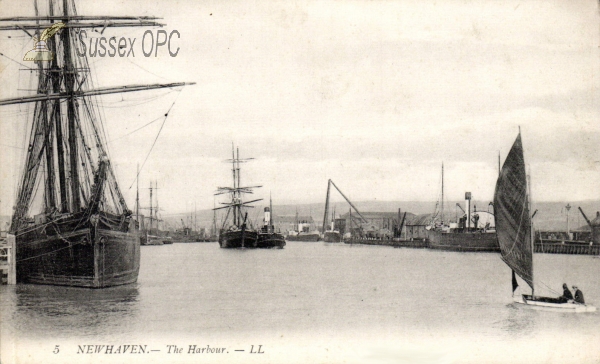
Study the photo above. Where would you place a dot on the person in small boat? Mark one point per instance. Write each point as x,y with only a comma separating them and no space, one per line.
567,295
578,295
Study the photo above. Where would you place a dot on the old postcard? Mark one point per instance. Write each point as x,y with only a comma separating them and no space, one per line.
299,181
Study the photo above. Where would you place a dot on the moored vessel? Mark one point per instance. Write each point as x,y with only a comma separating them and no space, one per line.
239,233
302,230
473,232
71,221
267,237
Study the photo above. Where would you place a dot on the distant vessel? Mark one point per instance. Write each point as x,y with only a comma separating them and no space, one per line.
302,231
513,222
267,237
332,235
303,236
82,233
474,232
239,233
214,233
150,234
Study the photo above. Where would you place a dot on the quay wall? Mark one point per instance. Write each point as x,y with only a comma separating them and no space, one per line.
480,243
566,247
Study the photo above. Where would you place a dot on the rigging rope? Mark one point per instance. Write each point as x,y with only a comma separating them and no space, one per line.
155,139
141,127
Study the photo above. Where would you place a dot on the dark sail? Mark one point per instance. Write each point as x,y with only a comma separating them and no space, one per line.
513,222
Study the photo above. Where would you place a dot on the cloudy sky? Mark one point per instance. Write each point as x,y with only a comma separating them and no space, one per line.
372,94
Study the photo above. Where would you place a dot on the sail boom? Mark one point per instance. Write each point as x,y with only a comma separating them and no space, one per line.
77,25
78,18
93,92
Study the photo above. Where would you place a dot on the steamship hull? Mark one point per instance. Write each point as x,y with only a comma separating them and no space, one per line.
304,237
89,257
270,240
463,242
332,237
238,239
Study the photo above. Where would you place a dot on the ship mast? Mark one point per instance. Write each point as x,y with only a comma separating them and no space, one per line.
442,194
60,142
137,195
151,208
236,192
72,113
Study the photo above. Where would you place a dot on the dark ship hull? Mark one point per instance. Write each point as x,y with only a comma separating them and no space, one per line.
270,240
90,257
474,241
332,237
238,239
304,237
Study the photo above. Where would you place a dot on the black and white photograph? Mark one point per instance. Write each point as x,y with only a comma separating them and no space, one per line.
269,181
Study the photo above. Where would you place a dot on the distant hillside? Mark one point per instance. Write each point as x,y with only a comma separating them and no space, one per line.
550,215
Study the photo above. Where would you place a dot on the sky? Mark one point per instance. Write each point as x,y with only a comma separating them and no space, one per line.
374,95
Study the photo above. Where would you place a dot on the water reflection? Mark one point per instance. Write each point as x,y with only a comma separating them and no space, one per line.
518,322
68,311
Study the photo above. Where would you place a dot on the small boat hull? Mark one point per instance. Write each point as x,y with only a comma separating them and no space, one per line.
553,304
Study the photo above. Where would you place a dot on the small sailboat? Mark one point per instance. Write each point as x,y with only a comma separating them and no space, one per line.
513,227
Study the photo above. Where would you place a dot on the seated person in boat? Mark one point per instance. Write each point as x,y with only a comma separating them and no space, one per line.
566,296
578,295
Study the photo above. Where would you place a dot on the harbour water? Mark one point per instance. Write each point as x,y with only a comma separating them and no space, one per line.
307,303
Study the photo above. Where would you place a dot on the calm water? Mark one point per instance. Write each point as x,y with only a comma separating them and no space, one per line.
308,303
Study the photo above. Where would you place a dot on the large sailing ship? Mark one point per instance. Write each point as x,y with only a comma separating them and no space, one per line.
71,221
239,233
514,231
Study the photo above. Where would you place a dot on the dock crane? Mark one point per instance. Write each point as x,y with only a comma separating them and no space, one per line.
329,184
585,217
